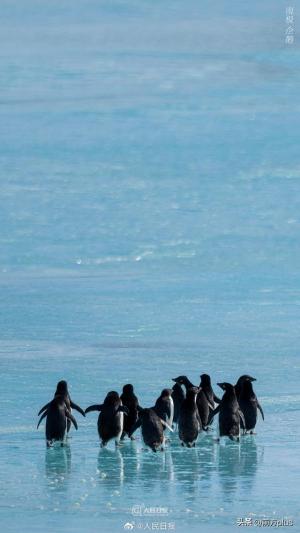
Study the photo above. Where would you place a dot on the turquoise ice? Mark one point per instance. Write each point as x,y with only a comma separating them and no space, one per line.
150,200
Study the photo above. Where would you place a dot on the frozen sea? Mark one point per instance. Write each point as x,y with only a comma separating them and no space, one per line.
149,227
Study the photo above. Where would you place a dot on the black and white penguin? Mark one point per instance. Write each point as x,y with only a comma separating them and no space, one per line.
204,406
189,422
129,400
57,415
178,396
240,382
152,429
230,415
62,390
164,406
110,420
249,404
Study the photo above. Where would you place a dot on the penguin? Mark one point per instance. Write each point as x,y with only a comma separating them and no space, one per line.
239,383
57,414
178,396
205,385
203,404
130,401
164,407
152,429
110,420
62,390
230,415
189,422
249,404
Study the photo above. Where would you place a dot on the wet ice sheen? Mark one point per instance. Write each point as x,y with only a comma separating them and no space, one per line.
149,228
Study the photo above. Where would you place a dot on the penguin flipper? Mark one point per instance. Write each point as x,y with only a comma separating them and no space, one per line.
94,408
166,425
43,416
261,410
214,413
43,408
77,408
71,417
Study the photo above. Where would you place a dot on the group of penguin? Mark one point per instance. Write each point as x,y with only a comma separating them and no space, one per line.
188,407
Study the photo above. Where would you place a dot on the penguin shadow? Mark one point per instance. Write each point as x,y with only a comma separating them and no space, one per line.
58,466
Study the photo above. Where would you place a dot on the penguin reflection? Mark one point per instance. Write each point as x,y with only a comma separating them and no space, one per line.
237,465
58,466
155,470
187,471
229,465
110,468
131,461
251,459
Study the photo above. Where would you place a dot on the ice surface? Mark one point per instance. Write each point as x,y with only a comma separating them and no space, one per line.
149,227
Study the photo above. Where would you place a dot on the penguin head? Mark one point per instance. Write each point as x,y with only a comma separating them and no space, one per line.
246,387
166,393
128,389
181,380
243,378
112,398
205,380
227,387
61,387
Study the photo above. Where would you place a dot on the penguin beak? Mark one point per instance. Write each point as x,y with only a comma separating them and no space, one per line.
221,385
252,379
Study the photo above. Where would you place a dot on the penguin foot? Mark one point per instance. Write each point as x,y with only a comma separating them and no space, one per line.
182,444
49,444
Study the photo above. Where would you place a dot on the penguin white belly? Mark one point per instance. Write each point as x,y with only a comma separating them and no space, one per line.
170,421
118,437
